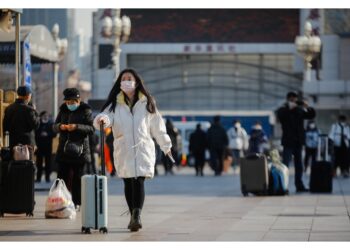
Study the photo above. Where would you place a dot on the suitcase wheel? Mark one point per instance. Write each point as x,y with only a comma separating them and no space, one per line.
30,214
104,230
85,230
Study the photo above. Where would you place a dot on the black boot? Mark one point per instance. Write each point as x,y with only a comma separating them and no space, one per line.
135,223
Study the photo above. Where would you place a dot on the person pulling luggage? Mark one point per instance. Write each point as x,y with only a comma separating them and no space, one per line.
132,113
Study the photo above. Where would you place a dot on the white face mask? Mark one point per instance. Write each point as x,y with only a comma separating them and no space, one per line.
257,127
292,105
237,125
44,120
128,86
312,126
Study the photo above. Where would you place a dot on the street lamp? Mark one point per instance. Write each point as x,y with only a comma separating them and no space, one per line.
62,45
119,29
6,21
308,46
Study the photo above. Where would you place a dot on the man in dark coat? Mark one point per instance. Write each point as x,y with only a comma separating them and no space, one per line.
74,123
217,142
43,137
291,116
198,144
21,119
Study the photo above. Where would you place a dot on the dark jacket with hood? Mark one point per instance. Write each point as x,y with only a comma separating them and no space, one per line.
82,117
198,142
43,137
292,121
21,120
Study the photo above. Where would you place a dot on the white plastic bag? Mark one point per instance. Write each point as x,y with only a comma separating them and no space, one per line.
59,203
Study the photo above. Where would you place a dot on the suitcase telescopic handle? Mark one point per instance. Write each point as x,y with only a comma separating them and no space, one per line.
319,147
7,139
102,138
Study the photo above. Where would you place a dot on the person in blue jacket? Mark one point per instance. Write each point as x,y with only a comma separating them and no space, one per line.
257,138
311,142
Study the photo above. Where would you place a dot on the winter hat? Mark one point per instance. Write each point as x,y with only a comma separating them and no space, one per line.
24,90
71,93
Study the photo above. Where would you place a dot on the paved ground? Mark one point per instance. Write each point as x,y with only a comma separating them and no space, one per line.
189,208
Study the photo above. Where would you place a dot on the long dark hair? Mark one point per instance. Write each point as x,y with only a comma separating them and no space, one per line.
112,97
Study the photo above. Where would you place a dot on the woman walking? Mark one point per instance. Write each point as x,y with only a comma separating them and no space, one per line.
131,112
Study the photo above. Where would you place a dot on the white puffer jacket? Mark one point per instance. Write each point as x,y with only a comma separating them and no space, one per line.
238,139
134,150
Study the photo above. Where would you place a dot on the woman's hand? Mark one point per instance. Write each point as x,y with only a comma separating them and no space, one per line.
71,127
63,127
102,120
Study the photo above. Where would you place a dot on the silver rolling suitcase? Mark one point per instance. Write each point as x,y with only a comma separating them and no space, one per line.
94,195
254,175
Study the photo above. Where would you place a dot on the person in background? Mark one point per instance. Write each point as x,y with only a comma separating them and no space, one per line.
291,116
21,120
197,146
91,167
238,141
227,159
311,143
173,134
339,134
257,139
159,153
217,141
44,136
74,124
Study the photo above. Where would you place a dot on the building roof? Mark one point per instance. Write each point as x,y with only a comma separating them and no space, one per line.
43,48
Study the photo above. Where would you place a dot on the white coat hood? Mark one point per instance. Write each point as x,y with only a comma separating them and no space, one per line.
134,149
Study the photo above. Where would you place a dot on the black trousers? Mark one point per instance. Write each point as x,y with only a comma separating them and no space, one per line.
341,159
71,174
310,153
168,166
40,158
199,160
216,160
134,190
288,152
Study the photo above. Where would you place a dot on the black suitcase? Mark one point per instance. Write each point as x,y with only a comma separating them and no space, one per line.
17,188
254,175
321,179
